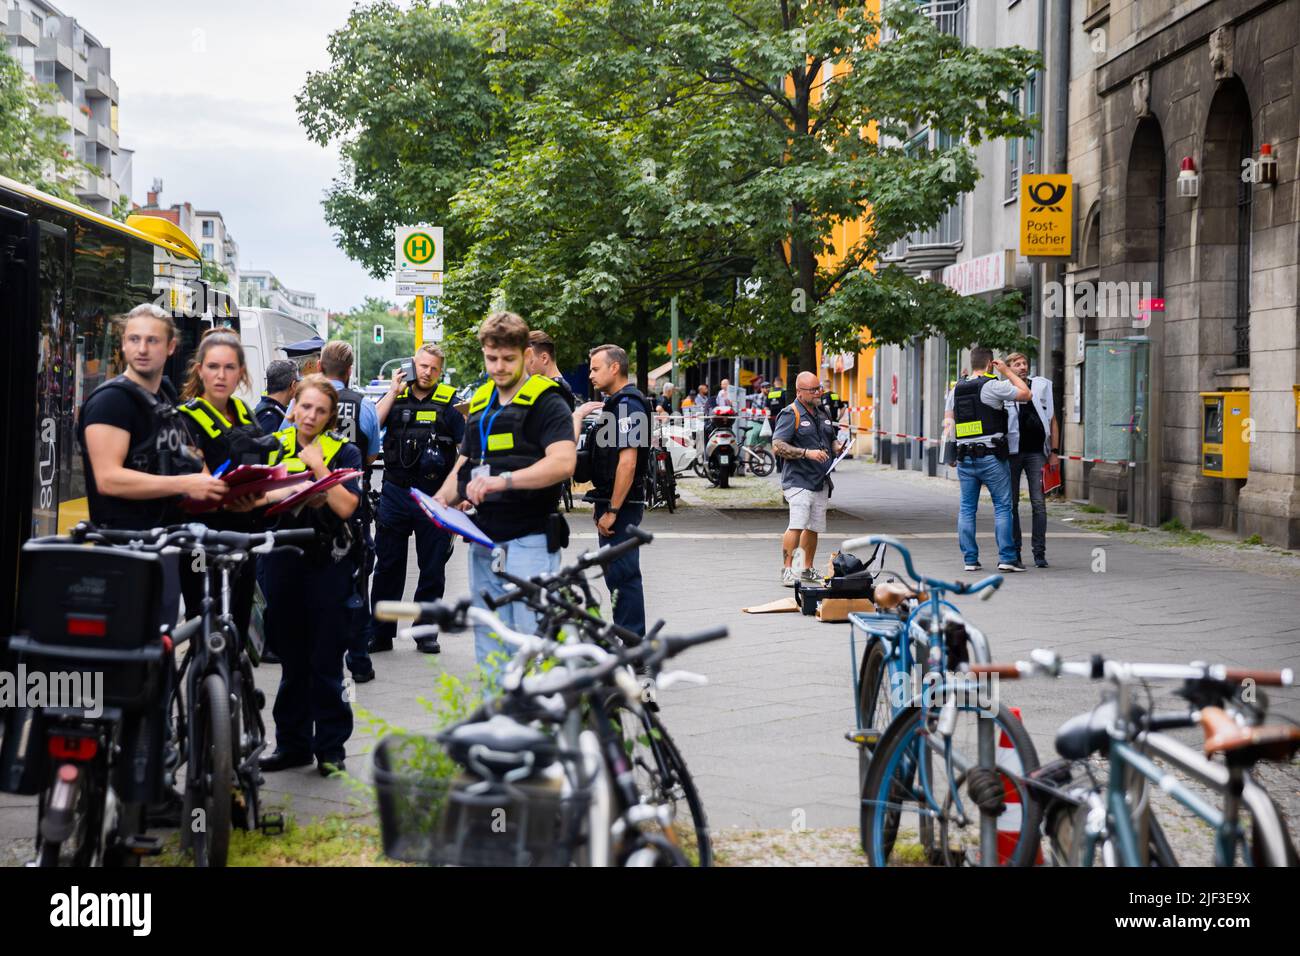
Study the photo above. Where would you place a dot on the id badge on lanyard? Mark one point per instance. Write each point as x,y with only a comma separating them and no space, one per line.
484,470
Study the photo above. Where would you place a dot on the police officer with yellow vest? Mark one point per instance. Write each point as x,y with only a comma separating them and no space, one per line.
423,431
518,450
309,594
777,399
224,429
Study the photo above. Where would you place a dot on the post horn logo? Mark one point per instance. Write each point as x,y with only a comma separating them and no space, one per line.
1046,195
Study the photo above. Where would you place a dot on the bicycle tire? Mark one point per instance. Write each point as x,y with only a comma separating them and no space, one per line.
130,822
889,787
246,809
872,693
670,764
762,462
670,483
213,773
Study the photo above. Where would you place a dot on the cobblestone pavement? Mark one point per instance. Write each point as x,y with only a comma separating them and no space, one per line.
765,737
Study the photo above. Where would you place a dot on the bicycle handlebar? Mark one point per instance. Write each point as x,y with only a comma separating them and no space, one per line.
993,581
1049,663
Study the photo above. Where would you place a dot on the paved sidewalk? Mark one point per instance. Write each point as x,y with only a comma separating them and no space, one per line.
765,737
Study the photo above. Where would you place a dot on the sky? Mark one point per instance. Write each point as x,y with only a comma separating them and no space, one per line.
207,103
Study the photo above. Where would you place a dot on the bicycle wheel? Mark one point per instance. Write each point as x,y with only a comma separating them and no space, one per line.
211,789
914,772
246,809
670,488
761,462
662,775
873,702
81,847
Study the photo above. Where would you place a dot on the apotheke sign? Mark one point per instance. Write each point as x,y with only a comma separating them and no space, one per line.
982,274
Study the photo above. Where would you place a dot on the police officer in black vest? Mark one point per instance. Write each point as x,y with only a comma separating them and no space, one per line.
358,423
777,399
518,451
138,456
139,463
542,362
620,457
422,432
977,413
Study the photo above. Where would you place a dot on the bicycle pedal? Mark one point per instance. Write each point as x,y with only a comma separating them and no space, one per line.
141,845
271,824
863,736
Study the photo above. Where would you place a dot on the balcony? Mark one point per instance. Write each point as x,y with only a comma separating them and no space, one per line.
21,28
93,187
80,121
929,249
80,65
948,16
51,50
99,85
101,134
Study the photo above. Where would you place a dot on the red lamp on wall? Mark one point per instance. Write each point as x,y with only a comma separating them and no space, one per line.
1266,166
1189,181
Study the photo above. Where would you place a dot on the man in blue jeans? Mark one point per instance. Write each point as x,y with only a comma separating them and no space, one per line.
976,408
618,465
518,451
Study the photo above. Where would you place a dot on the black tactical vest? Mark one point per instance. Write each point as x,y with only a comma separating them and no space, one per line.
508,447
975,420
419,449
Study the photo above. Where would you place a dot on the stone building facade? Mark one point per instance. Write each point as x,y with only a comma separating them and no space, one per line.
1166,100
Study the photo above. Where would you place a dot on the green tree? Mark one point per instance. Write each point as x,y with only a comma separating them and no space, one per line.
358,327
31,142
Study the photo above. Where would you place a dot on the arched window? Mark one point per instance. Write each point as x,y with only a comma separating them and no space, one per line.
1245,189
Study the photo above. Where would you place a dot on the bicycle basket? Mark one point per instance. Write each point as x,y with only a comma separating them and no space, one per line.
432,810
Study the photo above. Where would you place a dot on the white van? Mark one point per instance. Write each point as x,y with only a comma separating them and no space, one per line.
263,333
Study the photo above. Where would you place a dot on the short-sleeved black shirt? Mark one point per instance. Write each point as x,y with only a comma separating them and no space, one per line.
115,407
550,421
814,431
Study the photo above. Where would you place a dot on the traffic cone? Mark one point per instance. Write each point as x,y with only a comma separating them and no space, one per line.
1009,822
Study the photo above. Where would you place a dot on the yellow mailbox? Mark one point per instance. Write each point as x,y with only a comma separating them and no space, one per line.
1225,444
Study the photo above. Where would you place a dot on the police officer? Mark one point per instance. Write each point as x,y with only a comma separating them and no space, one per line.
281,376
313,718
224,430
518,450
138,457
831,401
359,424
777,398
619,462
139,463
542,362
422,432
976,410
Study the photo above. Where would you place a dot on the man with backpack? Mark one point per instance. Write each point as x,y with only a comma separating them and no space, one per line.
618,445
803,440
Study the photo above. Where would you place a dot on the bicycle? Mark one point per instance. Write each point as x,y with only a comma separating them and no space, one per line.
660,481
654,762
96,763
572,792
219,731
1084,815
915,753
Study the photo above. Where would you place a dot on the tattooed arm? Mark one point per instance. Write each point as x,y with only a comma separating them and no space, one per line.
783,449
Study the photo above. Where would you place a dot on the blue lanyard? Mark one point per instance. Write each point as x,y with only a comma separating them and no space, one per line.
485,427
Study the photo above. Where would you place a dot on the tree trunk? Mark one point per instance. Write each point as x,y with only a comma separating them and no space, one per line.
807,355
643,362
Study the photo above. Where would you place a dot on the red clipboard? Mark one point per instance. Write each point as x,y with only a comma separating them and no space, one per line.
247,474
254,488
1051,476
326,483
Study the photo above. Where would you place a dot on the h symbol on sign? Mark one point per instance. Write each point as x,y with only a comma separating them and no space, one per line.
420,247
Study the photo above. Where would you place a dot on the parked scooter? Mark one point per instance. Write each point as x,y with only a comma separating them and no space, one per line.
721,447
682,440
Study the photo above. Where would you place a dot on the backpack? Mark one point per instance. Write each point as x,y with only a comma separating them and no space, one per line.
584,470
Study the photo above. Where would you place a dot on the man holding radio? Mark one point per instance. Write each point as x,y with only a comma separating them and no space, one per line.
422,433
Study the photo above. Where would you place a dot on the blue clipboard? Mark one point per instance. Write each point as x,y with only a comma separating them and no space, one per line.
457,522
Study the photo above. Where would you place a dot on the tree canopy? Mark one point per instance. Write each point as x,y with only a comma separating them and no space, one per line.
31,140
592,158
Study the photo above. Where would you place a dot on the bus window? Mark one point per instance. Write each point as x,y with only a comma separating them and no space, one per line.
52,378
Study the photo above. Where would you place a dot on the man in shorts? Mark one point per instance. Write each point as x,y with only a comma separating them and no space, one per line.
804,440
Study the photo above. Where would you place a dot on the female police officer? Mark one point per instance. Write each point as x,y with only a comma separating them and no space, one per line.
309,594
225,431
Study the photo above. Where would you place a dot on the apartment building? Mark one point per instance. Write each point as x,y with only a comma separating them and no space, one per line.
206,228
57,50
261,289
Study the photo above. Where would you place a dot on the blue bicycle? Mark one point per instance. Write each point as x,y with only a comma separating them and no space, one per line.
925,737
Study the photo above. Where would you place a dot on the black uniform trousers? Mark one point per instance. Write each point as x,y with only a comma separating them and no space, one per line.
310,630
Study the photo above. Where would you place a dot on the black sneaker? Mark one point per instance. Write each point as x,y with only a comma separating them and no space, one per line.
1041,563
365,677
1011,566
166,814
428,645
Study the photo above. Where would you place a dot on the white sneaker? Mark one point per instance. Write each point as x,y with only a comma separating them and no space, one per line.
810,576
788,577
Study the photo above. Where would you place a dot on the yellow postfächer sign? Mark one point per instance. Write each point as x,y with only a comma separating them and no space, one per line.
1047,215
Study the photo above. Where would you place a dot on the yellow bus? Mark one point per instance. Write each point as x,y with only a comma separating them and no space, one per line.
65,271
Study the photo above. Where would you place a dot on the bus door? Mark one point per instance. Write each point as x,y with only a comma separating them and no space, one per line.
17,305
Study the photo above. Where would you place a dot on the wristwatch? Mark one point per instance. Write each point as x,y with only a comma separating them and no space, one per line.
1056,451
510,480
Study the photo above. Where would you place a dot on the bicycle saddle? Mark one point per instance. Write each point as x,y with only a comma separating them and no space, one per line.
1085,734
889,595
506,739
1246,744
